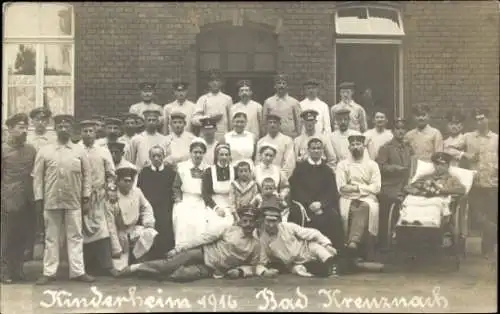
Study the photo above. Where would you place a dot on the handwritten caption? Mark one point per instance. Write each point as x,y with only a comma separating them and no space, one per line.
264,300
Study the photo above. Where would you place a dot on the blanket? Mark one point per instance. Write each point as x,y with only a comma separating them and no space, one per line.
427,210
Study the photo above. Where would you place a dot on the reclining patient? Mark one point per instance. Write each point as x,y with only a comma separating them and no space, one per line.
429,197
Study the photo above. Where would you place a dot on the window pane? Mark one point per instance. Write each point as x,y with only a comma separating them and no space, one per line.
352,21
209,42
237,62
21,99
209,61
384,22
265,43
58,99
55,19
264,62
57,60
22,20
20,60
240,40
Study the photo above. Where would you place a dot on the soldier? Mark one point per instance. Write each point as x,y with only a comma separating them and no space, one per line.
251,108
208,129
379,135
40,117
18,217
180,104
215,105
179,140
62,179
357,112
287,107
147,94
339,136
100,124
139,125
129,121
424,139
454,144
112,128
312,101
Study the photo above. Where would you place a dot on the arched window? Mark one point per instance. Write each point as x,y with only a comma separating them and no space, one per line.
368,21
38,54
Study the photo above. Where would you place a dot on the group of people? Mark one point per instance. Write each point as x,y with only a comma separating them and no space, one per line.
212,188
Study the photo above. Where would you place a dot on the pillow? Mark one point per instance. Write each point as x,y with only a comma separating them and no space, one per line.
465,176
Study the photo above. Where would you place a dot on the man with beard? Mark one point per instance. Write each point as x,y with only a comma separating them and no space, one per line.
424,139
214,105
312,102
112,128
156,183
18,159
287,107
357,113
180,104
230,251
359,182
318,194
339,136
129,122
100,130
377,136
455,143
138,150
208,129
178,140
285,157
251,108
40,118
96,238
62,178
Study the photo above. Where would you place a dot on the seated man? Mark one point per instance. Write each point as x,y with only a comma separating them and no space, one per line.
131,219
428,199
303,251
231,251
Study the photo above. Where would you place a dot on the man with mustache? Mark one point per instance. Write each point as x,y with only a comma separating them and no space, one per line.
251,108
180,104
377,136
359,182
18,159
129,122
287,107
112,128
100,126
312,102
424,139
357,113
339,136
147,95
40,118
62,182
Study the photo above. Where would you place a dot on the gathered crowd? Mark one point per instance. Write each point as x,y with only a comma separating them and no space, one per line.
216,189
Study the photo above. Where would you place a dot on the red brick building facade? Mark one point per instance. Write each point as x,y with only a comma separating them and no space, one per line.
445,53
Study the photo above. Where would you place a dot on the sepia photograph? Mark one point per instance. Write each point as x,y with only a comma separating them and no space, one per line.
244,156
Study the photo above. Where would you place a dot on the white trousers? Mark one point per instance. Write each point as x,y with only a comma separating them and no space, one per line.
60,222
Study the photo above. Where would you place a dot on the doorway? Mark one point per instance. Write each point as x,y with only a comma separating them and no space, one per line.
374,68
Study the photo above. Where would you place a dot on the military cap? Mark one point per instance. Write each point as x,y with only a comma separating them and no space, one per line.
314,139
421,109
342,111
116,146
356,138
270,208
479,113
127,115
113,121
198,142
40,112
180,86
311,82
273,116
266,146
238,113
244,83
347,85
177,115
455,116
214,75
441,158
208,123
400,123
125,172
280,78
17,119
147,85
63,118
309,115
249,211
151,112
85,123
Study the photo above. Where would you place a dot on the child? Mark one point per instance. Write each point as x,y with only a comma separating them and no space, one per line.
243,189
268,192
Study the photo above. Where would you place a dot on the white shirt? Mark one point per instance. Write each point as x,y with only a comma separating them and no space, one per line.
253,111
323,125
375,140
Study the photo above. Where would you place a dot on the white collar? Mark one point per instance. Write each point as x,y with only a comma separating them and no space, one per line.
162,166
312,162
220,166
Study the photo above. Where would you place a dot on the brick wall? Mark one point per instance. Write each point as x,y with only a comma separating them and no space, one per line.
451,49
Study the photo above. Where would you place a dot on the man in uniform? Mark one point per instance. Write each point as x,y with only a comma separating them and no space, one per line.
112,128
117,151
454,144
339,136
215,105
62,178
138,150
18,219
300,143
139,125
377,136
287,107
178,140
424,139
208,129
180,104
147,94
285,156
100,126
251,108
129,121
357,113
312,102
40,117
481,151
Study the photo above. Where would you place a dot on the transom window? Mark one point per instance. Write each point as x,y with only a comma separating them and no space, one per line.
368,20
38,55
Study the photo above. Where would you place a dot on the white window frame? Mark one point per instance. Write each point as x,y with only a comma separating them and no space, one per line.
38,42
367,7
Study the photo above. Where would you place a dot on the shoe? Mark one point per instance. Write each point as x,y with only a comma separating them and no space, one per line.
44,280
84,278
113,272
301,271
124,272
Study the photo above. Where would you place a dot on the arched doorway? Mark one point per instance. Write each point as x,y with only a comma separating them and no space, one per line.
239,52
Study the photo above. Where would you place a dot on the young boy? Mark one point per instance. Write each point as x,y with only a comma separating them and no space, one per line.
243,189
269,192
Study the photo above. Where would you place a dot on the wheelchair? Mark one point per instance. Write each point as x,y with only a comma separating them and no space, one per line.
449,238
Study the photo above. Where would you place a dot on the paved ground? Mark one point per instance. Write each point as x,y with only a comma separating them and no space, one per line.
422,285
